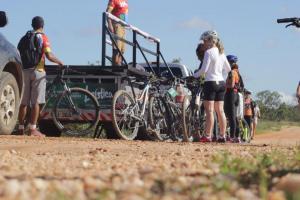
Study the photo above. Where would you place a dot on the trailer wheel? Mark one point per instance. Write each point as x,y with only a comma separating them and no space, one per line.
48,128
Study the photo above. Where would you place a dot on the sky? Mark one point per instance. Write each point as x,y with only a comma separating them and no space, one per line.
268,52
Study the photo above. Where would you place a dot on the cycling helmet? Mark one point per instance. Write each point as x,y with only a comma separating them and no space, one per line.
232,58
248,92
209,34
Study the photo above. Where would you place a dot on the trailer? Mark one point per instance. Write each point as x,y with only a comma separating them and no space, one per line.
105,79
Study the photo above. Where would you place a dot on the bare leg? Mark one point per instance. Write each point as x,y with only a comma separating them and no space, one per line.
22,114
251,127
21,118
254,130
219,107
119,60
209,110
35,111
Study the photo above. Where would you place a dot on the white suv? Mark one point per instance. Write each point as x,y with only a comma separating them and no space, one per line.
179,70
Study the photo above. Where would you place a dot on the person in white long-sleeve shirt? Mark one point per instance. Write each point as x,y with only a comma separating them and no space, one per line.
214,65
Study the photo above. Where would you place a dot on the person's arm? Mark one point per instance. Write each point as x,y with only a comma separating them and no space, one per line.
205,65
52,58
109,9
242,86
233,78
226,65
258,112
48,52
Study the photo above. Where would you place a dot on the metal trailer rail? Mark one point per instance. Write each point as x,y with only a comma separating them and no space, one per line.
113,38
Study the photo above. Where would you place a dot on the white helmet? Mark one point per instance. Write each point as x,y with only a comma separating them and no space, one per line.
209,35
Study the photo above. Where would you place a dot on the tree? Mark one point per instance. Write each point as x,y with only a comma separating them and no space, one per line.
272,107
271,100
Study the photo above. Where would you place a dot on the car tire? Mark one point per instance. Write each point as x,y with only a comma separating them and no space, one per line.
9,103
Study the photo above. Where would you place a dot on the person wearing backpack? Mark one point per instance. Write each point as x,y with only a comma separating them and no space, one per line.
34,48
232,99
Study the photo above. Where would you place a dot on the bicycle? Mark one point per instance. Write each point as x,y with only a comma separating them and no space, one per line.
165,113
193,113
75,111
129,110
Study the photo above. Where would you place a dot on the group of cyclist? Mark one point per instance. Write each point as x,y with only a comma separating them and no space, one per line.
223,95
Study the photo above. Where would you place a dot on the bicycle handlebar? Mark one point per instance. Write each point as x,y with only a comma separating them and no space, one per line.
287,20
67,68
294,21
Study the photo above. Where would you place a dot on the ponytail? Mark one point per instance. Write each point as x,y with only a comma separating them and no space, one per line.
220,46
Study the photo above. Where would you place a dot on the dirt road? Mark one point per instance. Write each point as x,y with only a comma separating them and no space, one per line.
67,168
287,136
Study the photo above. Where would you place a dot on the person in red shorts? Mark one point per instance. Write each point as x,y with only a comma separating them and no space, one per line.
118,8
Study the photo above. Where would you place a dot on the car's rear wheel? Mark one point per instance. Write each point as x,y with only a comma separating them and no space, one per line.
9,103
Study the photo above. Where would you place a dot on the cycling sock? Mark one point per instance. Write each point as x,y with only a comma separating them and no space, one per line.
32,126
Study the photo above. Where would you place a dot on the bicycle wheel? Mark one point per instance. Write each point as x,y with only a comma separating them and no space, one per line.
157,119
245,131
124,115
174,120
188,121
76,112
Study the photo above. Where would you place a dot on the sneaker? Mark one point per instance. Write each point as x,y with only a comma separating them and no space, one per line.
221,139
237,140
196,137
205,139
214,139
230,139
36,133
19,132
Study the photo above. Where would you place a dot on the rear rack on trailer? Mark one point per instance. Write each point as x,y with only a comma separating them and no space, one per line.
134,43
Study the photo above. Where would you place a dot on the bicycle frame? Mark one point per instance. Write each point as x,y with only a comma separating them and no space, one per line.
50,92
141,102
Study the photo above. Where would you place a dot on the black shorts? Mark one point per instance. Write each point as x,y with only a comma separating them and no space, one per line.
249,120
213,91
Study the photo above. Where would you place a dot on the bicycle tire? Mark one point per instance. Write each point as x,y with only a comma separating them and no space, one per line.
186,119
133,124
156,118
174,120
76,112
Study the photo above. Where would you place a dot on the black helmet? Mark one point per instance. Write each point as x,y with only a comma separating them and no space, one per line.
37,23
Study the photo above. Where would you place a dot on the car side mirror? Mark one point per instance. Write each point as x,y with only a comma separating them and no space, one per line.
3,19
